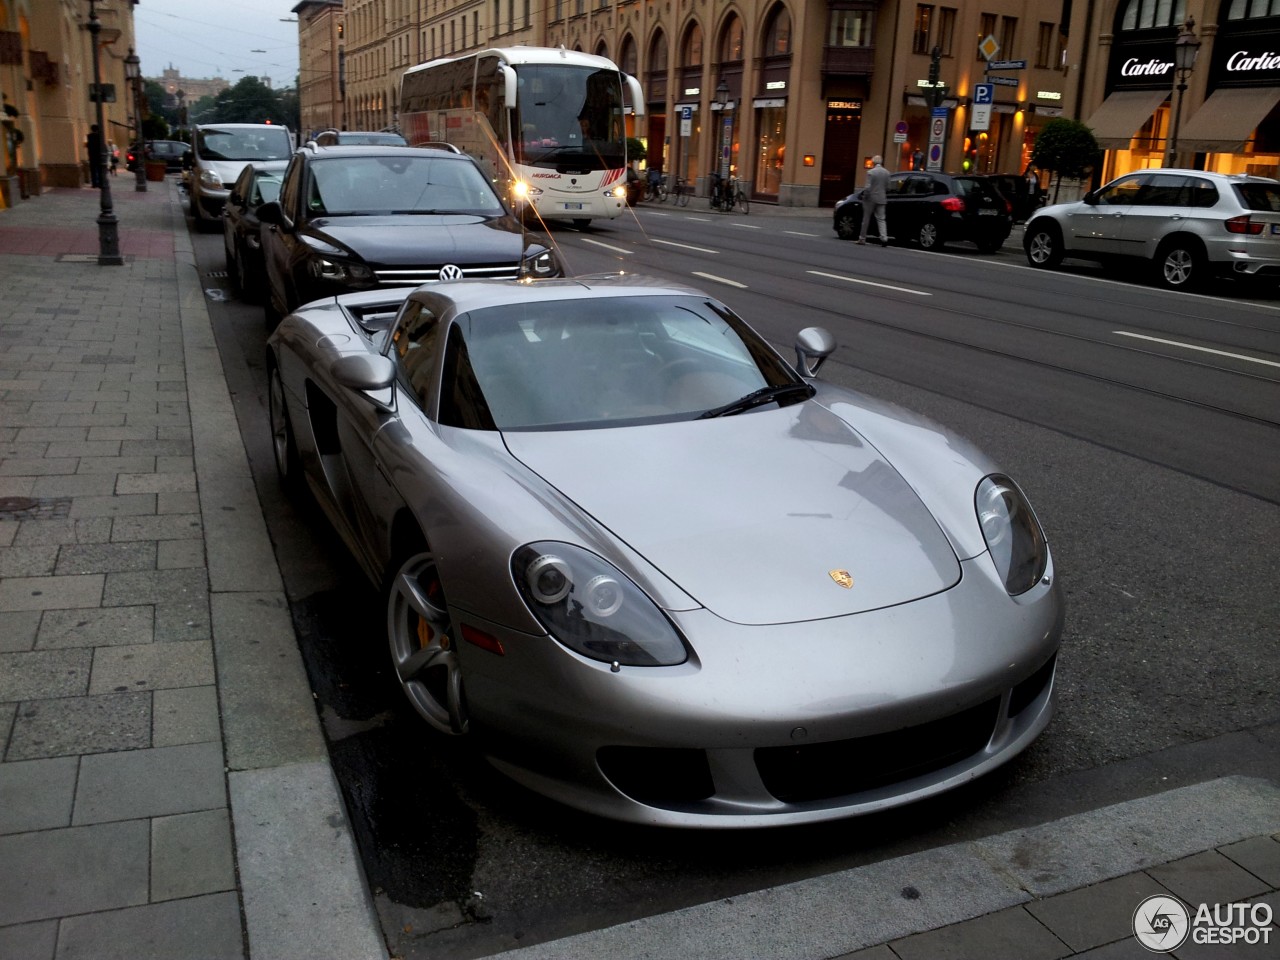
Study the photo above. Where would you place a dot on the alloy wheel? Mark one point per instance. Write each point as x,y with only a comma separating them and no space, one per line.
423,646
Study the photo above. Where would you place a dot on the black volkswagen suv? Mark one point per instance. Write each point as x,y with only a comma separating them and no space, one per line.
360,217
932,209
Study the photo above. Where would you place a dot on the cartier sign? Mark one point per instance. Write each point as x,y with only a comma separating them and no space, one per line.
1142,62
1242,60
1133,67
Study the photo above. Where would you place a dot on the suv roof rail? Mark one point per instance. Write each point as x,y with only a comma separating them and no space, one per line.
437,145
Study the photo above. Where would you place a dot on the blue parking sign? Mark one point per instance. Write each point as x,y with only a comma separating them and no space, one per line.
984,93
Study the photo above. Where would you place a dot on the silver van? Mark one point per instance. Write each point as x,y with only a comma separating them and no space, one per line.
219,151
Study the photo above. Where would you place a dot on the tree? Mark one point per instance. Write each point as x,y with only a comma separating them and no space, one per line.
1066,147
249,101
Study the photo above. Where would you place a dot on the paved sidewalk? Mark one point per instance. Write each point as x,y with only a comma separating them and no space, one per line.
164,786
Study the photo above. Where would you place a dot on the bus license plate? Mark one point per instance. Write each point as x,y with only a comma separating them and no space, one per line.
573,206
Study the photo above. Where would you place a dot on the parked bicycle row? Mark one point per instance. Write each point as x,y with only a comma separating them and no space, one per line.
724,193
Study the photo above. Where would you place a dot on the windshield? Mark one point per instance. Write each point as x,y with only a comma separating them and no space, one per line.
353,186
229,143
569,116
570,364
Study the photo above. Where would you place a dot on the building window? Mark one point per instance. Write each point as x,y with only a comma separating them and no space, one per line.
731,45
771,122
692,47
923,28
777,35
658,53
497,16
1008,36
527,16
1044,44
986,28
946,32
851,28
1154,14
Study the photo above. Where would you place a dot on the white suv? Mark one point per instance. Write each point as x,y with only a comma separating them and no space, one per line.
1187,224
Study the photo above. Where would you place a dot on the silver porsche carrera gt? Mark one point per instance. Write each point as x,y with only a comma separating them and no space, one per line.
657,572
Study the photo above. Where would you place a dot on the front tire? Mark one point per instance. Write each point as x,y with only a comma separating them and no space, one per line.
284,445
1180,265
423,644
847,228
1043,243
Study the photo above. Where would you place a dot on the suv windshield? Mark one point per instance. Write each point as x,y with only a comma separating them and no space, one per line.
1259,196
353,186
228,143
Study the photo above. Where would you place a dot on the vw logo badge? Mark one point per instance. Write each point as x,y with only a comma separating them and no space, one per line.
450,272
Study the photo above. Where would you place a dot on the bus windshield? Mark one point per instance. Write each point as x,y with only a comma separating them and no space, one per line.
568,116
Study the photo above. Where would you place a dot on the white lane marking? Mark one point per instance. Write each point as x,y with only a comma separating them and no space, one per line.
682,246
746,226
712,276
1192,346
886,286
607,246
689,216
801,233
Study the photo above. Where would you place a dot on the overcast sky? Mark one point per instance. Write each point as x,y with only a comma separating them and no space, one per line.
228,39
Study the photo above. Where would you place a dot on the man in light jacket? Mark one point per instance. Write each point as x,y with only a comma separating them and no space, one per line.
874,197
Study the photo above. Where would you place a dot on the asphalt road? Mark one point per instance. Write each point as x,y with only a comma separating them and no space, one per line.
1141,423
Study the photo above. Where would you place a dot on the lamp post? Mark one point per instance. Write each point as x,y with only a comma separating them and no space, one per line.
1185,49
133,74
726,129
108,232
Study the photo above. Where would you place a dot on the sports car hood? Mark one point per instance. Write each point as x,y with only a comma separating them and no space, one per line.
759,516
414,239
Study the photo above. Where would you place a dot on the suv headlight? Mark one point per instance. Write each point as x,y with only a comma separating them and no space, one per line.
339,271
540,263
593,608
210,179
1013,534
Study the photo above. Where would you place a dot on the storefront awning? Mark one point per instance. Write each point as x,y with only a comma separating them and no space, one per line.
1227,119
1122,115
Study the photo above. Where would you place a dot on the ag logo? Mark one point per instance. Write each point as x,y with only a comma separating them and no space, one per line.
841,577
1161,923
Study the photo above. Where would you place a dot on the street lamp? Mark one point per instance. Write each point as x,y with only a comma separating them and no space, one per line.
726,129
1185,49
133,74
108,231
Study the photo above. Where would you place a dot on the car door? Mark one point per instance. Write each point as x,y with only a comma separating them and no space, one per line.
895,193
1160,208
278,242
1096,225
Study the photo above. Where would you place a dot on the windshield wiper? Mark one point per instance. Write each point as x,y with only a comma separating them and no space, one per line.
758,398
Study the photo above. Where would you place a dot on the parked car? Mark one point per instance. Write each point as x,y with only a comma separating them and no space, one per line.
333,138
1187,225
351,218
170,151
659,572
1019,191
219,151
257,184
933,209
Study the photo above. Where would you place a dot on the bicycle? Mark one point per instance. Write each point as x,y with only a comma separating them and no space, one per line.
726,194
681,192
657,188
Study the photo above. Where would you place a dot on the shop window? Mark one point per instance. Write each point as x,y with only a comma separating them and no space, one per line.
771,122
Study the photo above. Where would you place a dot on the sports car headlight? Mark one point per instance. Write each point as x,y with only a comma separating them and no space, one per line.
1012,532
593,608
540,265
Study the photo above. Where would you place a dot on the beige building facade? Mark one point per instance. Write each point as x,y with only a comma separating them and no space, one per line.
46,69
321,65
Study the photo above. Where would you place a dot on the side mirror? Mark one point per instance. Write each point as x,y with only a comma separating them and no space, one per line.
271,213
363,371
813,346
1091,199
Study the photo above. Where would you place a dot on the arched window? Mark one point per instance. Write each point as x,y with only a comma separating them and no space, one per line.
777,33
1253,9
602,49
1153,14
691,53
731,41
658,52
627,57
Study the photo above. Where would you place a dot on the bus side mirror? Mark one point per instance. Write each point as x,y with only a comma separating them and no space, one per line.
508,85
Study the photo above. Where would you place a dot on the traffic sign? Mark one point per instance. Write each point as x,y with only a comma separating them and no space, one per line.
1003,81
984,93
1007,65
989,47
900,132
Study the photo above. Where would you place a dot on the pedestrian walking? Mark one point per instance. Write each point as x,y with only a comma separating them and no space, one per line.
97,151
115,158
874,198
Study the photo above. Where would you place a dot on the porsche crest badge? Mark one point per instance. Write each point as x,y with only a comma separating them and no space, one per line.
842,577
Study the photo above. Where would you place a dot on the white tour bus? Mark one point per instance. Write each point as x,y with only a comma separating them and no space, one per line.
547,125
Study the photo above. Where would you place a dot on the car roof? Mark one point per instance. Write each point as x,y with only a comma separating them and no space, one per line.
378,150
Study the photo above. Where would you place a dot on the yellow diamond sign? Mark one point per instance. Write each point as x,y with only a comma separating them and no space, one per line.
989,47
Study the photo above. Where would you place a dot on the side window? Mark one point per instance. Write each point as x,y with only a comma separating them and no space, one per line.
1163,190
1121,193
896,186
1201,192
289,191
413,347
462,402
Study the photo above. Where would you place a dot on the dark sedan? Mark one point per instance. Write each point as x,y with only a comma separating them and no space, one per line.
933,209
170,151
257,184
361,217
